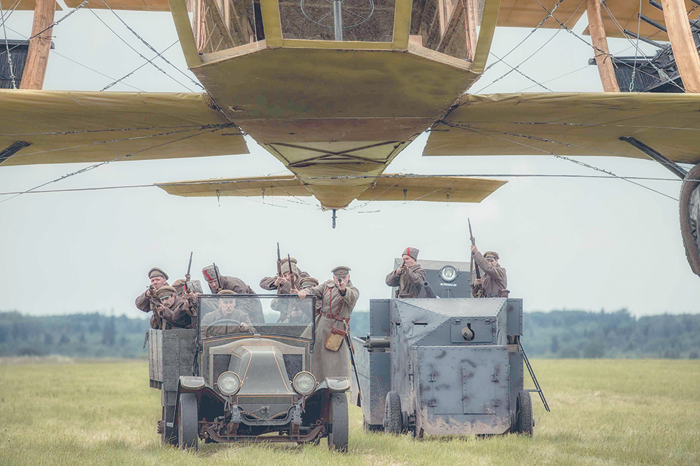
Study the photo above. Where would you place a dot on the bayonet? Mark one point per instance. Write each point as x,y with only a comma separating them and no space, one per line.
279,261
189,267
477,290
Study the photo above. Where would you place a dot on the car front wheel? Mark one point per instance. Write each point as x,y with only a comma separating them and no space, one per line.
338,437
187,421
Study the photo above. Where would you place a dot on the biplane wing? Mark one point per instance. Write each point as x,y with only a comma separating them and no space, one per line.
76,127
570,124
387,187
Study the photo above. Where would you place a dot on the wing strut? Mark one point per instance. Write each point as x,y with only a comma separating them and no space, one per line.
672,166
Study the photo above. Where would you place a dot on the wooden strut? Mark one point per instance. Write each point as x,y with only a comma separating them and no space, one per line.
684,51
39,46
602,54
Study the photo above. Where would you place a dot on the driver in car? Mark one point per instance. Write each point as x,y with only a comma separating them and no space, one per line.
227,319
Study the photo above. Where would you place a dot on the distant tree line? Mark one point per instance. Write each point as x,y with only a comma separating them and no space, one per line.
583,334
77,335
554,334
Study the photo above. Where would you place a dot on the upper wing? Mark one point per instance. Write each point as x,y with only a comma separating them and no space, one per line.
62,127
383,188
570,124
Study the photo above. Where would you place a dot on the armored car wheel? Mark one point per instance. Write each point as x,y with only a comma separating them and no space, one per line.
523,419
187,421
393,422
338,437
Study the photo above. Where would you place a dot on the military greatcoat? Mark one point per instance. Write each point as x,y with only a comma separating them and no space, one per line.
410,282
496,281
335,312
179,315
147,303
252,306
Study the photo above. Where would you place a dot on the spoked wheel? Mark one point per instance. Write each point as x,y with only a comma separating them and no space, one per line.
393,422
188,421
523,419
338,437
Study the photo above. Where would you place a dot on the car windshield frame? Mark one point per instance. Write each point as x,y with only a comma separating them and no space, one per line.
309,303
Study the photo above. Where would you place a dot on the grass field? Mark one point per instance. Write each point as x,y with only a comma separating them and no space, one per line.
605,412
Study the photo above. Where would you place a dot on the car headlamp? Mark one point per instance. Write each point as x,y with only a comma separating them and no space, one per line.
448,274
228,383
304,383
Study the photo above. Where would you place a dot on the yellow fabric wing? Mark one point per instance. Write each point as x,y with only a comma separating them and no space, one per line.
72,127
384,188
570,124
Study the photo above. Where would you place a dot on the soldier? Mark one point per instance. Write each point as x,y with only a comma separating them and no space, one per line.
147,301
293,313
331,357
173,311
282,284
409,277
217,282
227,319
496,281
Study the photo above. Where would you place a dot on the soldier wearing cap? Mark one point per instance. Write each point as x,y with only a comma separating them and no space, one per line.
331,357
495,283
409,277
292,312
173,311
283,283
147,301
226,320
217,282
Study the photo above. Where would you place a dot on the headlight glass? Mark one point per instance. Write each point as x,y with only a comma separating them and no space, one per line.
448,274
228,383
304,383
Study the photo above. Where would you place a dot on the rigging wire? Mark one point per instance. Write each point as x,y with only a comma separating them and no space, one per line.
563,26
4,18
97,165
137,52
577,162
661,73
520,72
393,186
636,49
7,47
151,47
78,63
134,138
549,13
55,23
536,51
134,71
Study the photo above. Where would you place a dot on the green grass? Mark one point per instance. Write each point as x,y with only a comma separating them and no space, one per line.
604,412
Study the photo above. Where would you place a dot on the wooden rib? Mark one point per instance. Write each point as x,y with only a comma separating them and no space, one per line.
602,54
684,51
40,46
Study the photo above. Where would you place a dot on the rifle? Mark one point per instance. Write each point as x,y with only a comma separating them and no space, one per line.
218,278
291,272
187,275
279,261
352,360
477,290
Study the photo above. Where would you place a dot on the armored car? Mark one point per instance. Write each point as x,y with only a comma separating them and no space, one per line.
451,365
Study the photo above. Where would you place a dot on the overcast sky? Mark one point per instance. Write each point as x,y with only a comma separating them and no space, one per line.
566,243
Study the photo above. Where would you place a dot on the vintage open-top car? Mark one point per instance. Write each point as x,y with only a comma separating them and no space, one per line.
237,378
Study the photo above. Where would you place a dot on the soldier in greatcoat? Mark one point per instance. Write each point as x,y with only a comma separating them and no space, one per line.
218,282
173,311
495,283
221,321
282,283
409,277
147,300
338,297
